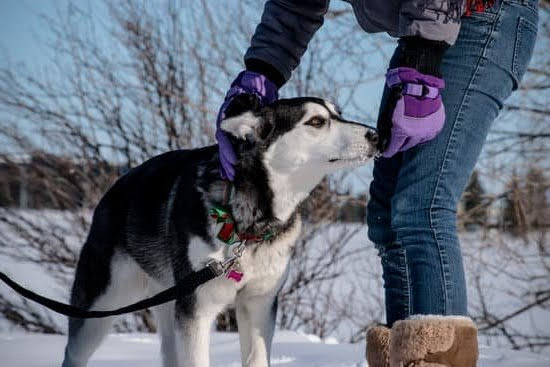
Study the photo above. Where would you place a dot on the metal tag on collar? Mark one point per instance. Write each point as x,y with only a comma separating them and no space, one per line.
234,275
233,269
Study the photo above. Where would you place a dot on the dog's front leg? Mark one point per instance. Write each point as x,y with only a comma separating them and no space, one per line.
256,320
193,339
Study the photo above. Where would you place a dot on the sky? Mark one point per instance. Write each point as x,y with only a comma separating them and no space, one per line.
23,35
20,29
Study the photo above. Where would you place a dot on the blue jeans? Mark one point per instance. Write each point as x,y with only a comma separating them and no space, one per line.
414,195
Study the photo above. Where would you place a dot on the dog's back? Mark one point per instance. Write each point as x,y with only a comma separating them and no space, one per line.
135,231
137,217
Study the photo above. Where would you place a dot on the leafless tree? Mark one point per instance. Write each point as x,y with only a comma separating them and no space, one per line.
128,80
509,273
522,128
509,293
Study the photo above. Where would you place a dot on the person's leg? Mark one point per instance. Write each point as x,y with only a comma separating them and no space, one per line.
414,195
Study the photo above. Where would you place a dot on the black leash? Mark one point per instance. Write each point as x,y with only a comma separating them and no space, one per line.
184,287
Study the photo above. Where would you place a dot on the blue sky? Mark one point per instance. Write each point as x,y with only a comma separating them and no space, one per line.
23,35
20,29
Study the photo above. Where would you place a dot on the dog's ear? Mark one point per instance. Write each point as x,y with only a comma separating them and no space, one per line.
249,126
244,120
243,103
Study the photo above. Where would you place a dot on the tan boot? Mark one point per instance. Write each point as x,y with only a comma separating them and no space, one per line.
434,341
378,342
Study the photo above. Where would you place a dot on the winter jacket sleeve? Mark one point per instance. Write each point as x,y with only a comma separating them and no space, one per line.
284,32
436,20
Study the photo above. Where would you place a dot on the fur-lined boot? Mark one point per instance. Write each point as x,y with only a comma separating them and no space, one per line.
378,344
433,341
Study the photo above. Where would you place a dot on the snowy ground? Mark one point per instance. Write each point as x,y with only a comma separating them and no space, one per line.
289,350
504,274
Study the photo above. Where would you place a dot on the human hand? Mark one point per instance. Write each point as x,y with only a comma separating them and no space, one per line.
413,113
246,82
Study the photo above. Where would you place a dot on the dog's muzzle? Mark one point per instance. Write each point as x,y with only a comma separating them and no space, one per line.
372,136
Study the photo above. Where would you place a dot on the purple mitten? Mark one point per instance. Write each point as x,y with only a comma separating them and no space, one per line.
419,114
246,82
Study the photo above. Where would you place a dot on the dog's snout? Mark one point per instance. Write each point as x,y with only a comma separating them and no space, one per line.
372,136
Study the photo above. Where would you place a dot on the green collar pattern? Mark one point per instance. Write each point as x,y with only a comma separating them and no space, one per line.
225,228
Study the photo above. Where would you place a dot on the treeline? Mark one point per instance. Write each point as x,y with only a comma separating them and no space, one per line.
523,206
47,181
44,181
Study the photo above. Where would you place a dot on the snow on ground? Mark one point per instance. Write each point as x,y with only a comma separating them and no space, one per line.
289,350
501,271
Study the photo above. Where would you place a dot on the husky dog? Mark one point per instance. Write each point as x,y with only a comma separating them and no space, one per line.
153,227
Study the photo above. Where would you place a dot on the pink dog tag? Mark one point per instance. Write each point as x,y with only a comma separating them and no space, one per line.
235,275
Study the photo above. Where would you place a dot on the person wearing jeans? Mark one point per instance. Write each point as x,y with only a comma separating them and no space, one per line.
455,65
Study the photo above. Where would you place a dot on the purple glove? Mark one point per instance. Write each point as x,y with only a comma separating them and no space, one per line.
415,106
246,82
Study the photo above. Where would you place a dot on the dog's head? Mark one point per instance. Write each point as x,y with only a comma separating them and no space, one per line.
296,142
299,134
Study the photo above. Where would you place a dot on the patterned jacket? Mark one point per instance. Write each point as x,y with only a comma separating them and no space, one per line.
287,26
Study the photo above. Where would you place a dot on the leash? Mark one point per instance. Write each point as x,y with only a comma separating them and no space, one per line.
229,267
187,285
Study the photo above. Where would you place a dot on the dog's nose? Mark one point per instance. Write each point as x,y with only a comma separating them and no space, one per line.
372,136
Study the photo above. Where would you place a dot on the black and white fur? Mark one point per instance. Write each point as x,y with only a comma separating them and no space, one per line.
152,228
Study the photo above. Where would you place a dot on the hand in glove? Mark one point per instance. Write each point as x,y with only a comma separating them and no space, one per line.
413,112
246,82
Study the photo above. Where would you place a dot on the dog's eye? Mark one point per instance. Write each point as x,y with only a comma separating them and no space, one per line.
316,122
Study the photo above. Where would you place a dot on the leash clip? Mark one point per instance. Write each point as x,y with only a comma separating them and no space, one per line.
216,267
225,267
238,250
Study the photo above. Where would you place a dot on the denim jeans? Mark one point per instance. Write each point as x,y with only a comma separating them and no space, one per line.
414,195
